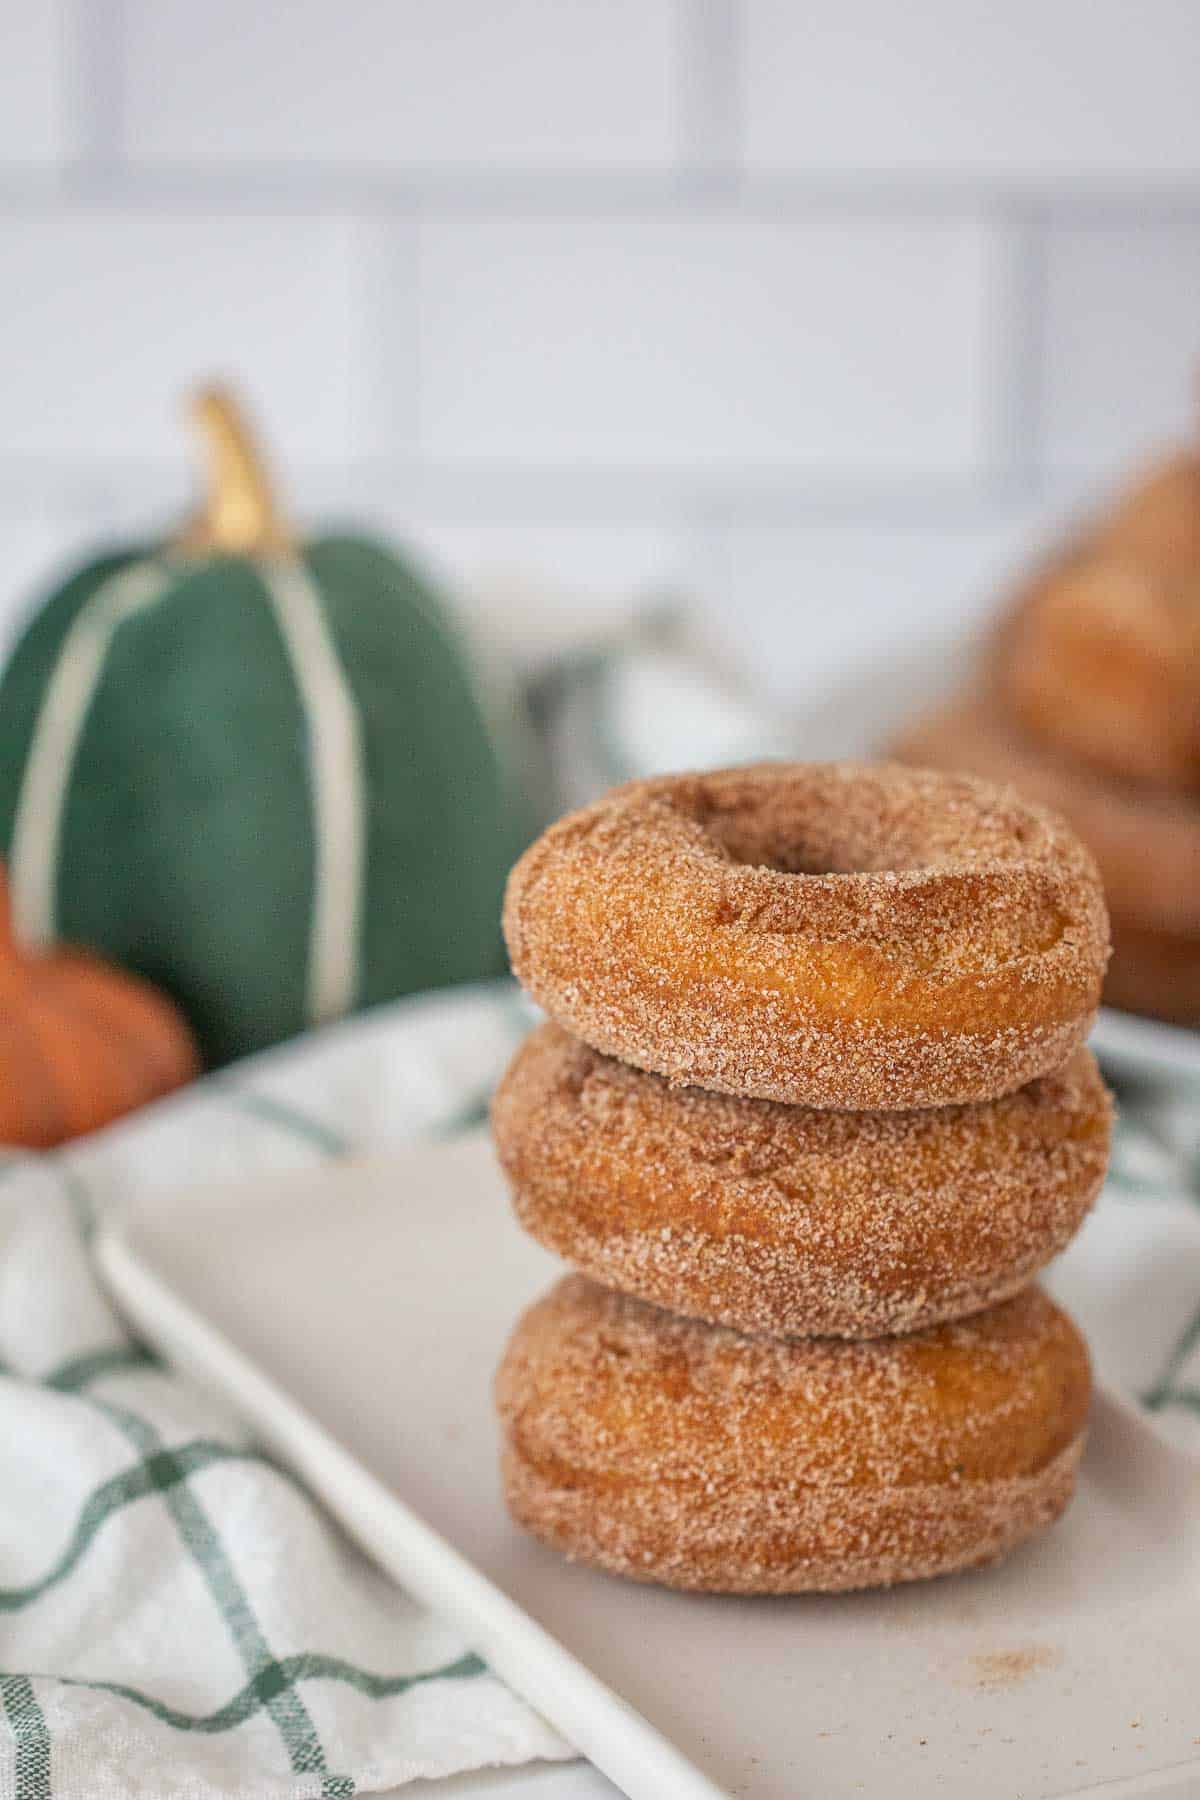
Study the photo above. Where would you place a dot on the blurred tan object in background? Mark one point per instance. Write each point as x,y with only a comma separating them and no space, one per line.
1088,701
1102,661
1156,522
1145,839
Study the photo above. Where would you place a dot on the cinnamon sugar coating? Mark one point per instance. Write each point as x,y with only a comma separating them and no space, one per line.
1145,839
828,934
689,1455
792,1220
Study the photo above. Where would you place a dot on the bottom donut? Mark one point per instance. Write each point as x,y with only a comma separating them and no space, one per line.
687,1454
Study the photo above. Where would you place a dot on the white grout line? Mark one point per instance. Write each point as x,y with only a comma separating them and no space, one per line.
95,59
402,487
381,264
710,100
97,183
1004,356
1019,297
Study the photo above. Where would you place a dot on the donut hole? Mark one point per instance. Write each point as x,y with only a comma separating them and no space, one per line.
779,832
782,859
816,822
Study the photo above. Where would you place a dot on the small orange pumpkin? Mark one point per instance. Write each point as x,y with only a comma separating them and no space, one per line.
81,1042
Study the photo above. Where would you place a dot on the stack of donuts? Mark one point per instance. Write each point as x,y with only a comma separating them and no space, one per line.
809,1112
1089,701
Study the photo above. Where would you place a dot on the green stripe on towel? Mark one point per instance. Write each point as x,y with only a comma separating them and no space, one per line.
275,1678
154,1474
30,1735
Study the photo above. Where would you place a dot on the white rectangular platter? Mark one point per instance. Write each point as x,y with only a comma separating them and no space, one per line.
356,1316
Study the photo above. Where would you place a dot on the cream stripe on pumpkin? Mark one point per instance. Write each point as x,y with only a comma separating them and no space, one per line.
337,778
57,729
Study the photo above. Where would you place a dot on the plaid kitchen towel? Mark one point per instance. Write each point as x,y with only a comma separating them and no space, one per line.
176,1616
1133,1274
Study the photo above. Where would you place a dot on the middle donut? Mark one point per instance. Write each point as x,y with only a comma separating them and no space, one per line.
790,1220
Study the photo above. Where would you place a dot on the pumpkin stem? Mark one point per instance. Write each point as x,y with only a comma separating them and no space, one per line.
239,515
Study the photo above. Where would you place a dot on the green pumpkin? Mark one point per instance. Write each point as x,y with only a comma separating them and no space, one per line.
265,776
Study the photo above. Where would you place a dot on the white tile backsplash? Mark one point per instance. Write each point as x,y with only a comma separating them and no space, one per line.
803,603
959,88
109,315
820,310
707,344
1122,339
35,127
596,571
404,83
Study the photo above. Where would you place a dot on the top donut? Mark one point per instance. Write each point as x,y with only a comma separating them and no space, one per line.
825,934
